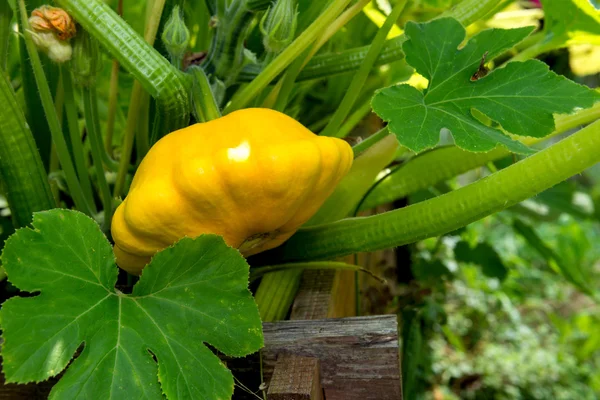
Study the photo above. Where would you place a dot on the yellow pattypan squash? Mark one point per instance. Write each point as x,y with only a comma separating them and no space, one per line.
254,177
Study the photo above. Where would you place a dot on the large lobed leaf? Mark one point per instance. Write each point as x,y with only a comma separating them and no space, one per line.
521,97
134,346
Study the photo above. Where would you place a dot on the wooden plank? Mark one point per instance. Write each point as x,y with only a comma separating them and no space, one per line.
325,294
295,378
358,355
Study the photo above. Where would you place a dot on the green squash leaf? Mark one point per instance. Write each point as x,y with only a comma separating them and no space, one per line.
134,346
521,97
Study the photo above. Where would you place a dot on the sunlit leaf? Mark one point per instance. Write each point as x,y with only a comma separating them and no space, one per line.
520,97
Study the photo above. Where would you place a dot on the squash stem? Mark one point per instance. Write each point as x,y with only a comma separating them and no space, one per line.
75,136
203,99
437,165
135,104
256,273
452,210
359,79
287,56
92,124
284,87
112,97
52,117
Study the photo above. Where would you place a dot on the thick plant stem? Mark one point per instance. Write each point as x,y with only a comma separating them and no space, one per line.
93,128
466,12
21,167
135,104
226,55
361,75
297,47
75,136
453,210
204,102
112,107
275,294
256,273
157,76
112,97
6,14
354,119
51,116
284,87
437,165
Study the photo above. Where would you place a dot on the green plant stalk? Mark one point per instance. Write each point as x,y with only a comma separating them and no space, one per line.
256,273
257,5
128,136
535,50
51,116
359,79
286,84
226,54
452,210
154,10
202,95
21,168
370,141
287,56
6,14
466,12
112,107
92,123
112,97
275,294
73,126
431,167
39,126
142,131
156,75
354,119
136,103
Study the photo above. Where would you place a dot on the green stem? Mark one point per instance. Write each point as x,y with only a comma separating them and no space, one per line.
226,55
112,107
158,77
466,12
135,104
533,51
275,294
287,56
370,141
142,131
354,119
21,168
128,136
285,87
452,210
256,273
6,14
431,167
332,129
73,125
112,98
202,95
92,123
52,118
